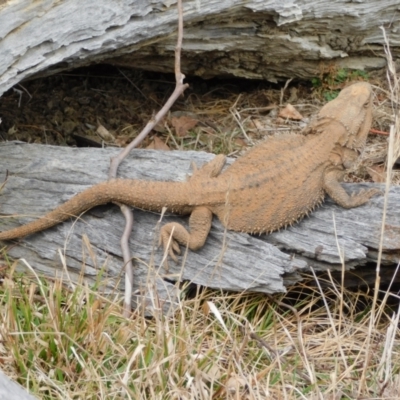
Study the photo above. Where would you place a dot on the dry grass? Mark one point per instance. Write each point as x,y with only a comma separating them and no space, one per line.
74,344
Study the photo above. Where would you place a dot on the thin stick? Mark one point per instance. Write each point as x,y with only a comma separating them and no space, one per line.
378,132
180,87
116,161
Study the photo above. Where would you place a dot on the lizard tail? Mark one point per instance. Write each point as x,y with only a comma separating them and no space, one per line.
72,208
148,195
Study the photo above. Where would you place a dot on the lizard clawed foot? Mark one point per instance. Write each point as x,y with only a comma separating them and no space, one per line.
171,235
361,197
170,245
374,191
367,193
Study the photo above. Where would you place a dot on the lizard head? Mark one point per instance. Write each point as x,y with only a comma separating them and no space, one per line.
353,110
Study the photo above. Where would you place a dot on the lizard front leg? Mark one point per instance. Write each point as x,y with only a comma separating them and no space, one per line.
335,190
199,227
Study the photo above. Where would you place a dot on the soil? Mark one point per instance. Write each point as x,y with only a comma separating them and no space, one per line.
103,105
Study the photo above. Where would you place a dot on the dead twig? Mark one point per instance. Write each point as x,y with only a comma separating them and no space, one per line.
116,161
378,132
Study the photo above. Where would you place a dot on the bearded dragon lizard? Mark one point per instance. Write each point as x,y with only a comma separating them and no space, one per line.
273,185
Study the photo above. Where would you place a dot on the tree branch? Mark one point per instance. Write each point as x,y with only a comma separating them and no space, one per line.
116,161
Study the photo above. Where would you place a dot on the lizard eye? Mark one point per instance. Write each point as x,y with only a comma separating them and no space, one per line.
366,104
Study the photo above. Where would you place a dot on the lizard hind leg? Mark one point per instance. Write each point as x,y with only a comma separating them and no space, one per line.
175,234
209,170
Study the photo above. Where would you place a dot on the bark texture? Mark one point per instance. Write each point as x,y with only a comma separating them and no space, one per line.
259,39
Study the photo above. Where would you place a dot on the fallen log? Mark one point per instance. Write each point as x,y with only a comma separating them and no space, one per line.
271,40
41,177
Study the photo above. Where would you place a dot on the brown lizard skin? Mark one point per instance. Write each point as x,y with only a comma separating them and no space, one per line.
273,185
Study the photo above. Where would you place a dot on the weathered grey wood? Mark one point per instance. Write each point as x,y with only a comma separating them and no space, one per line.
261,39
41,177
10,390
